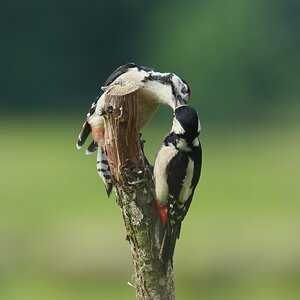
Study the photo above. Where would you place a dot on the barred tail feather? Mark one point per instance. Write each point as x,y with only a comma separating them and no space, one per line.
84,133
104,171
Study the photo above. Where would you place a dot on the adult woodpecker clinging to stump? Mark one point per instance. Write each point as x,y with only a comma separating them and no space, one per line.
177,170
155,88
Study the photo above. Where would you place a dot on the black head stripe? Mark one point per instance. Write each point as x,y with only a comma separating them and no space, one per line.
164,79
173,86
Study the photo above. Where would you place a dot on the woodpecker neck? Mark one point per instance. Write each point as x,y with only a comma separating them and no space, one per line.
180,142
186,143
183,145
161,87
160,92
189,133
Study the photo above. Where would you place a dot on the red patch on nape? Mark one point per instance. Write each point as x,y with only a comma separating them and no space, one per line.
163,213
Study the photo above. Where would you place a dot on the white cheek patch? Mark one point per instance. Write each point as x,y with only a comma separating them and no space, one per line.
177,128
176,80
179,85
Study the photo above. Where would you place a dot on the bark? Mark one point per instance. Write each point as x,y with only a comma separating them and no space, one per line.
135,193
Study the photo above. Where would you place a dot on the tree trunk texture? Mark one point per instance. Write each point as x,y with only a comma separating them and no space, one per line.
135,193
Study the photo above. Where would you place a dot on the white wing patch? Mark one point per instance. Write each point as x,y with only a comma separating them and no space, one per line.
96,120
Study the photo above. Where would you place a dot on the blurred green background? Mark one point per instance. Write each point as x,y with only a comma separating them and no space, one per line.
60,237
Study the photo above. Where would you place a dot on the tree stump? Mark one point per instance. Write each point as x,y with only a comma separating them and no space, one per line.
134,186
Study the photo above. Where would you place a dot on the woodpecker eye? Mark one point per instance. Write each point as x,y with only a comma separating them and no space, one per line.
184,90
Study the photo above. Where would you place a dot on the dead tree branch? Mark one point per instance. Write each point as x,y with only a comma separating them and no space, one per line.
135,193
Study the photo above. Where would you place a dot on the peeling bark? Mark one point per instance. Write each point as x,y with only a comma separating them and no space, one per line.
135,193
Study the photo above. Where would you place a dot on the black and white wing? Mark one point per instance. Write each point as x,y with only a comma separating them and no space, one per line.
183,174
86,127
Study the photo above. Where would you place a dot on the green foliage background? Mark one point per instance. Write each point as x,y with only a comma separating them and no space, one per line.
60,237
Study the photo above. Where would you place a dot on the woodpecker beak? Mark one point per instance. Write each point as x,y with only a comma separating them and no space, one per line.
179,101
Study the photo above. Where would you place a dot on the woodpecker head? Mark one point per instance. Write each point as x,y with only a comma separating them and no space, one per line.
186,123
180,90
168,88
163,88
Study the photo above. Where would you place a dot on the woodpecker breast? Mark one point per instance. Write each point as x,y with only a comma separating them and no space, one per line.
162,161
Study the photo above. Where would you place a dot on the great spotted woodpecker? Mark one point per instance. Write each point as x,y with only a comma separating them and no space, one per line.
155,88
177,170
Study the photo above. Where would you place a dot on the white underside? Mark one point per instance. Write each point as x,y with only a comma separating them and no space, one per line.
162,160
160,173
